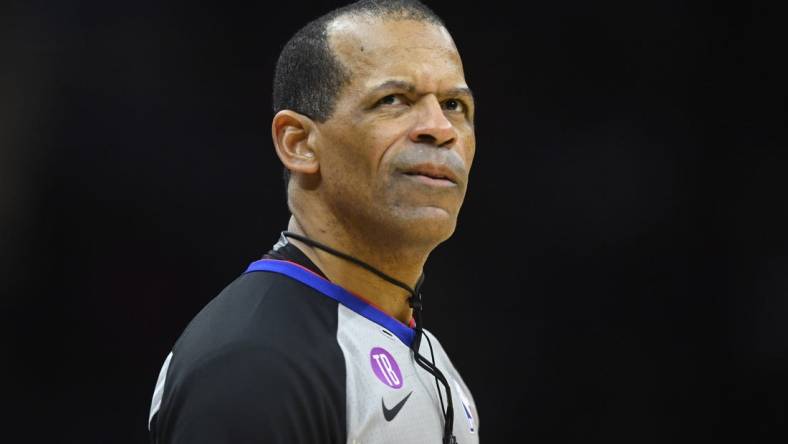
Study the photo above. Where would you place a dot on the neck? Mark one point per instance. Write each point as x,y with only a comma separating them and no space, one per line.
401,264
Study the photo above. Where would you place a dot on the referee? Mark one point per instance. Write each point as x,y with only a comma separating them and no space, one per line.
321,341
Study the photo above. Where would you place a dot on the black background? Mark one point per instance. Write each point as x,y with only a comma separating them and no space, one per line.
619,272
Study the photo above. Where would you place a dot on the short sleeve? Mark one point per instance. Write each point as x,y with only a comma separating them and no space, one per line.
251,395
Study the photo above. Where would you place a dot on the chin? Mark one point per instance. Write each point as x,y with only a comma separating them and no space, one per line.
428,224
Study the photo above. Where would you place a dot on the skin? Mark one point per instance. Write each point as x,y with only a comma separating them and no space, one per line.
358,180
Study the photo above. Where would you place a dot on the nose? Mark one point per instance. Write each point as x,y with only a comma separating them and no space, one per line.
433,127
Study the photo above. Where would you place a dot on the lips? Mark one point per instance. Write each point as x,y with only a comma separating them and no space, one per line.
432,171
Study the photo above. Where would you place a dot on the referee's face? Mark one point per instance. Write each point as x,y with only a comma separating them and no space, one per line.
396,153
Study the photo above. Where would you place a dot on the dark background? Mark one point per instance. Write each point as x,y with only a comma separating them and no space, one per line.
619,272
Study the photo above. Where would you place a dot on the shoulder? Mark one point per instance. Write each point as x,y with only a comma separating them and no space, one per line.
266,318
261,311
431,339
255,360
441,356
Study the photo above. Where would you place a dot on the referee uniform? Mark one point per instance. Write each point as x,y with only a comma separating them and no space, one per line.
282,355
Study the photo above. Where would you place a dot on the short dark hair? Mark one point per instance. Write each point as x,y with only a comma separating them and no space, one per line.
309,77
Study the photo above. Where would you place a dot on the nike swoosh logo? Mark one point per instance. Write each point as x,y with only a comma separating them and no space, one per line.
390,414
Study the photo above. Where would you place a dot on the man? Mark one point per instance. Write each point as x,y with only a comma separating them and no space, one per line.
316,343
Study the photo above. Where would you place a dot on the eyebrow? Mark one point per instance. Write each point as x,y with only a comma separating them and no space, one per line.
411,88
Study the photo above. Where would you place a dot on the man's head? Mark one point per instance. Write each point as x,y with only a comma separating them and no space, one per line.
375,122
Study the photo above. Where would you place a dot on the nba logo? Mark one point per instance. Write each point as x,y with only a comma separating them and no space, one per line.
466,407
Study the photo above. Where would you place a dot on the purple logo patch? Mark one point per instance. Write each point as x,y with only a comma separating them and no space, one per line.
385,367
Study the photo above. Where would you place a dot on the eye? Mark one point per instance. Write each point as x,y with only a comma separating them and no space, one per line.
391,99
454,105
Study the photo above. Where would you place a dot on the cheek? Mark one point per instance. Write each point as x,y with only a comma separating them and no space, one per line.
357,154
388,140
373,150
470,150
350,162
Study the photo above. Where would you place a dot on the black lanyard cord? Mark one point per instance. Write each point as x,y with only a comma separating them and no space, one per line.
448,414
350,258
415,302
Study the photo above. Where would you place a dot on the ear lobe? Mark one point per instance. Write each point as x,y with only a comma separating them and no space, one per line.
291,135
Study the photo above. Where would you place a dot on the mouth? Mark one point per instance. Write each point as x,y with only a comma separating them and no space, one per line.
432,174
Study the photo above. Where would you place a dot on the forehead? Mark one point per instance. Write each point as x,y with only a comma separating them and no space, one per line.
376,50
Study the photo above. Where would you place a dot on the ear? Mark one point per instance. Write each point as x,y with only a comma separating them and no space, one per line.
293,134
